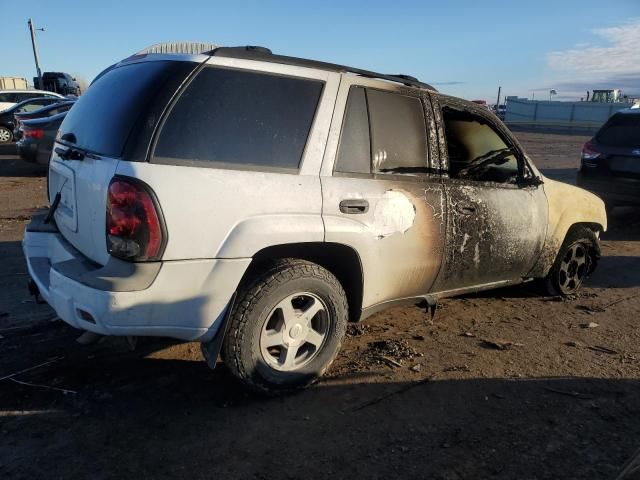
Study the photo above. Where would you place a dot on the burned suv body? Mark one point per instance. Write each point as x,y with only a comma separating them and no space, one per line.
256,203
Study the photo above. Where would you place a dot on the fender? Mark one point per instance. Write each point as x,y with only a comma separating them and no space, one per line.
568,205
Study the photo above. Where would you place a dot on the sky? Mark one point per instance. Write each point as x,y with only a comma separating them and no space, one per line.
464,48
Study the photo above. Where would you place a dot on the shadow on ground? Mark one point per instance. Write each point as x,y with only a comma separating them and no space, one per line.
135,416
14,166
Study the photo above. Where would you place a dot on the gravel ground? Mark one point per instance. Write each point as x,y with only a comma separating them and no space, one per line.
503,384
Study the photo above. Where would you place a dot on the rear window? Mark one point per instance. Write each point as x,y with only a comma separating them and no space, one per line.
622,130
239,118
103,118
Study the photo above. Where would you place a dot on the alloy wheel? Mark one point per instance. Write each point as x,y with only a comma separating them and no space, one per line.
294,332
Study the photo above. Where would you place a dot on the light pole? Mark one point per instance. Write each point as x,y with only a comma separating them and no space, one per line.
35,50
552,93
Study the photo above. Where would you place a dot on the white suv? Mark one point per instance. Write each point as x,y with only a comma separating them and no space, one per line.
256,203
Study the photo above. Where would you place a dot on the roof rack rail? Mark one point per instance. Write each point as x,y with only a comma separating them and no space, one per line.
252,52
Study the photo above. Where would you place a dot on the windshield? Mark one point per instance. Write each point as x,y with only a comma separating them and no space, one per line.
102,118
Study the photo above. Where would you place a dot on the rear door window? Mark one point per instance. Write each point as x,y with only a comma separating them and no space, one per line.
103,117
622,130
382,132
354,150
241,119
398,133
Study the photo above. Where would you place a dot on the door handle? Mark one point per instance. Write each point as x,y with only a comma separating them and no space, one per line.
466,209
354,206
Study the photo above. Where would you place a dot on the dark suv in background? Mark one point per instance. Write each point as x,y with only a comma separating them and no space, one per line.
59,82
610,165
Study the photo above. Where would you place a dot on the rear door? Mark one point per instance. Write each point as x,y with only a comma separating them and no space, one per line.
382,194
112,121
497,217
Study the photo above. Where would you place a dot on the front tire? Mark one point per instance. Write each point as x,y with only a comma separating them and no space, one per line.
576,260
286,328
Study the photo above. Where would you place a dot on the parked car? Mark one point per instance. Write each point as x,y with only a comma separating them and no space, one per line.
38,137
610,161
48,111
8,98
7,120
256,203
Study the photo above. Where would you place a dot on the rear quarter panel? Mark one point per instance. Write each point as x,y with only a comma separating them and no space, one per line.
229,213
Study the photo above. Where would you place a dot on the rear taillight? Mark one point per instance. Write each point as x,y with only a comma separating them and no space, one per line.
36,133
135,228
589,152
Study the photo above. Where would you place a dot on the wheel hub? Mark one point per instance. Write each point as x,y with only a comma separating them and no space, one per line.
294,331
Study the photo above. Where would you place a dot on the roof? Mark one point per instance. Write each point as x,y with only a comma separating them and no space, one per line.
262,54
265,55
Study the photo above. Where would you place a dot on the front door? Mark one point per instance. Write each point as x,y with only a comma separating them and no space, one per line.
381,195
497,213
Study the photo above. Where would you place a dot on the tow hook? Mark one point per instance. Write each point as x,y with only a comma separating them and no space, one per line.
35,292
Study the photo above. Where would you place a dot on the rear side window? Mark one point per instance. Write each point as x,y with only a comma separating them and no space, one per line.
102,118
622,130
239,118
398,132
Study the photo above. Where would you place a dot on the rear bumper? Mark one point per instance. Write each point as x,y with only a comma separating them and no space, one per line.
33,152
611,189
186,300
27,151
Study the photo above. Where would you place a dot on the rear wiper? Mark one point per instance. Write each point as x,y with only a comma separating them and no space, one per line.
69,153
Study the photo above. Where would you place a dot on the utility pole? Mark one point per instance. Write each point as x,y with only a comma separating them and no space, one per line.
35,51
498,102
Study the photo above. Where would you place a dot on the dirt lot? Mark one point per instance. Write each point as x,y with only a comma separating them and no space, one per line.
560,402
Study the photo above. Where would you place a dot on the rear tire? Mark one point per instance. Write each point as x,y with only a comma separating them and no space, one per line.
6,135
576,260
286,328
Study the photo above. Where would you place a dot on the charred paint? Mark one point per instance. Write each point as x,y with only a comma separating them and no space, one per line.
419,236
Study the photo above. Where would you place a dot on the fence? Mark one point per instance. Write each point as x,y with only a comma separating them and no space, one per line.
584,117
